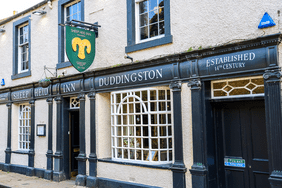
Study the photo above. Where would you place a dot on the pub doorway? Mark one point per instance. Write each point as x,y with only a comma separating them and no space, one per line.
74,142
241,144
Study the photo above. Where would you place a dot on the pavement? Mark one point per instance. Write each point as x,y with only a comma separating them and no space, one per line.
10,179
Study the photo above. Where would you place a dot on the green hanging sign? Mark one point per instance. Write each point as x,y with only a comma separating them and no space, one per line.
80,47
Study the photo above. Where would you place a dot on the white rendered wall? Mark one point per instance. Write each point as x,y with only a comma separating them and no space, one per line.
54,128
147,176
15,127
3,132
41,142
187,131
87,130
103,125
19,159
43,45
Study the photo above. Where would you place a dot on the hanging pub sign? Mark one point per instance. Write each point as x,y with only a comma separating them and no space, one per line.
80,47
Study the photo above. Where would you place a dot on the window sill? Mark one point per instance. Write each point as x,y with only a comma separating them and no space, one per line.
149,44
156,166
21,75
25,152
63,65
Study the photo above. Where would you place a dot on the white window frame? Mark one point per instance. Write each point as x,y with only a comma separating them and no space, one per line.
116,112
137,27
20,49
65,16
24,127
235,96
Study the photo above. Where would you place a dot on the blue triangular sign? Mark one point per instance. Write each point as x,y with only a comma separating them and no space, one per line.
3,82
266,21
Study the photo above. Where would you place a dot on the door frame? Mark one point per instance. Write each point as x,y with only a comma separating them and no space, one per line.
66,137
70,137
203,169
240,104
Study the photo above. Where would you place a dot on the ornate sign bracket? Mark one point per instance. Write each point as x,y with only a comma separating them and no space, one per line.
85,25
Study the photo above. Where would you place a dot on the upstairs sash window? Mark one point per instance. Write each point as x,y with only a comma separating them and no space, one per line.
73,11
23,48
149,19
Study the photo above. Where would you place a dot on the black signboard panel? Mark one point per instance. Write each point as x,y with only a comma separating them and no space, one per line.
235,63
140,76
22,95
238,61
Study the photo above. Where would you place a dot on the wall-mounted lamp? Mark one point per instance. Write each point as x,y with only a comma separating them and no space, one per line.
39,12
50,4
128,57
2,30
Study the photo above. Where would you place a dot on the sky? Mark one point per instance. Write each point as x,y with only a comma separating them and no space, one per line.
8,6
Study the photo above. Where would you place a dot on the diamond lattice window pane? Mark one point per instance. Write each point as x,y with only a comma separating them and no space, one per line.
227,88
240,87
251,86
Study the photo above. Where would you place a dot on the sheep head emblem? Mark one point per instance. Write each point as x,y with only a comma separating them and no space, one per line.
81,47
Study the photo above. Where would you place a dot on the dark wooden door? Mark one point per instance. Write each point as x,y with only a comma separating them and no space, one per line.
242,159
74,144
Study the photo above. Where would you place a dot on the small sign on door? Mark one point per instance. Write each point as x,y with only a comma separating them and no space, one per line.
234,162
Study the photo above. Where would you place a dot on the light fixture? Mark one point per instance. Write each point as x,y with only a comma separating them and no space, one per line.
39,12
2,30
128,57
50,4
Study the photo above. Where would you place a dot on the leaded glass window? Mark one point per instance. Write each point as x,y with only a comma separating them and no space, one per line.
240,87
74,103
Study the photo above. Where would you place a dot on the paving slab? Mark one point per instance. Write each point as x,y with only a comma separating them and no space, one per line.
10,179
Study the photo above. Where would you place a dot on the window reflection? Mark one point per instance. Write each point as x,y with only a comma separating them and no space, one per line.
151,18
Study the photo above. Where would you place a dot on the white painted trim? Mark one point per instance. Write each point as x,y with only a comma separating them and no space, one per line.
132,126
26,109
137,23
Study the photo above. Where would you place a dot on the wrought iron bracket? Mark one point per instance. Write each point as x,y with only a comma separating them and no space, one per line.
85,25
47,68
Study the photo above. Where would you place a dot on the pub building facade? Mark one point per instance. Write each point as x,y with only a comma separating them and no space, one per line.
207,118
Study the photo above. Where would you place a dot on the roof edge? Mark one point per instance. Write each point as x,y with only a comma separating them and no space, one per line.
24,12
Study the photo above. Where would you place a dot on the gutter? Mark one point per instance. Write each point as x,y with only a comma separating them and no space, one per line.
24,12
